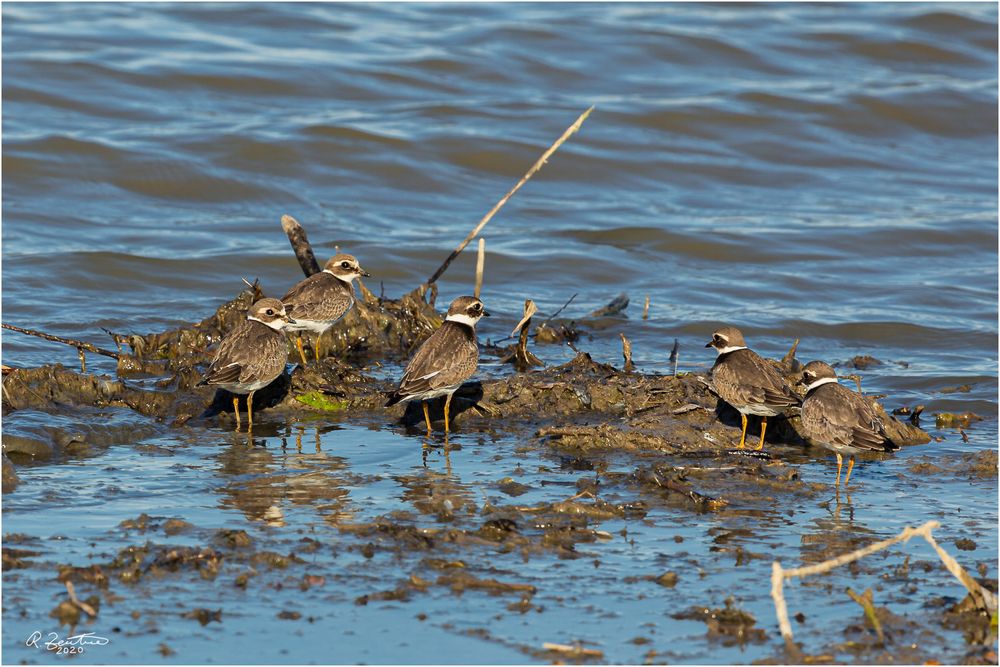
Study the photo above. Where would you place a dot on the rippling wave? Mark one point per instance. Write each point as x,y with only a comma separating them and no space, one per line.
819,171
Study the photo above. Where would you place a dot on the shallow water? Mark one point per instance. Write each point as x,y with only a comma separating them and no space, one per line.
281,493
822,172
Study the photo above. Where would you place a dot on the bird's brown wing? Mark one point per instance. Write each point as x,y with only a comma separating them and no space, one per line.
836,415
319,297
747,379
252,350
447,358
227,366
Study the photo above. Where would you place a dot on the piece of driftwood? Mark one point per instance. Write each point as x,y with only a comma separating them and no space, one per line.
617,305
627,354
78,344
522,357
300,244
788,361
81,346
983,599
573,651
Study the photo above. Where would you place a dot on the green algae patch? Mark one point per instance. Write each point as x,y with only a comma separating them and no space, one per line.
320,401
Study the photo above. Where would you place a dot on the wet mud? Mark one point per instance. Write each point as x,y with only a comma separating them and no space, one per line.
608,407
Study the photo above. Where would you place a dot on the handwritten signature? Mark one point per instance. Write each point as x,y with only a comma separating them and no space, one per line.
72,644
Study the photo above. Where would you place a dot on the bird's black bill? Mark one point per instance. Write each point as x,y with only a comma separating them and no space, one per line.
365,274
709,343
485,314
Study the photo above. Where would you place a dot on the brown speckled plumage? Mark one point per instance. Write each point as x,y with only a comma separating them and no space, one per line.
841,420
449,357
750,384
445,360
323,298
253,354
319,298
745,380
838,419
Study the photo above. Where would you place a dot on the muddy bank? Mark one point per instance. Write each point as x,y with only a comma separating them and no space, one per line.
580,404
376,328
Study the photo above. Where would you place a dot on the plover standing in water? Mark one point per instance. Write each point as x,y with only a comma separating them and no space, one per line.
445,360
838,419
252,355
320,300
747,382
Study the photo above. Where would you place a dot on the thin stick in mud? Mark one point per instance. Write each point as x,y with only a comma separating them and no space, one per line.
561,308
524,179
627,354
522,358
982,597
480,265
78,344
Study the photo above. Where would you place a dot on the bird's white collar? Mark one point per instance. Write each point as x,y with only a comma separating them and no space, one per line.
820,382
277,325
462,318
732,348
342,278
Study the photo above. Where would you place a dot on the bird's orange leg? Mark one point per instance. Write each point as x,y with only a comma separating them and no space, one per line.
850,467
840,464
447,406
236,410
298,345
763,428
743,435
427,417
250,411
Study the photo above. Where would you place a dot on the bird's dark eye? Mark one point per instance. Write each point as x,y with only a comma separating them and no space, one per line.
345,265
270,311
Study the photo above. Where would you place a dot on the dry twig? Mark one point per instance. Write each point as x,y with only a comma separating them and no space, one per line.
522,358
627,354
480,263
789,357
561,308
524,179
573,650
866,602
982,597
80,345
83,606
857,380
